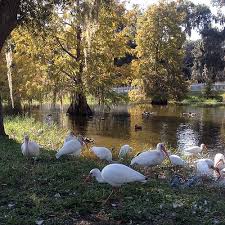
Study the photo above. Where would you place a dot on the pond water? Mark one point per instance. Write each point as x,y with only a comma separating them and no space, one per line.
168,125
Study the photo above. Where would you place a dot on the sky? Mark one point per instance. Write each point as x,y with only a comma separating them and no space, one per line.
146,3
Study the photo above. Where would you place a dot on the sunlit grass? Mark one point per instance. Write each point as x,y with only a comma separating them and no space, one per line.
54,190
48,136
197,98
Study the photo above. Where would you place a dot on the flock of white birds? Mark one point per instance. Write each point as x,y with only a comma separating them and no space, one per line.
117,174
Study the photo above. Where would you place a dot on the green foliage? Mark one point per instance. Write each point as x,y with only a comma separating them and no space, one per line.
17,127
108,43
195,16
198,98
209,52
160,51
207,91
58,69
57,55
188,59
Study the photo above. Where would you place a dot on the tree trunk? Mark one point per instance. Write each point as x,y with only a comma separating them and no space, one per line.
8,21
159,101
17,107
79,106
2,130
30,103
54,97
8,18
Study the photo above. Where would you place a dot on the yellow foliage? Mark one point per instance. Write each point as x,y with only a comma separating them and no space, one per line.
160,51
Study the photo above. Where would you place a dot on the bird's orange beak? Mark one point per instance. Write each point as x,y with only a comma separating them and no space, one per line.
220,161
217,170
167,155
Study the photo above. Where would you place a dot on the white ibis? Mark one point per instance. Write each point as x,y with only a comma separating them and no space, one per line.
176,160
72,147
102,153
151,157
124,150
30,148
205,167
195,149
70,136
117,175
219,161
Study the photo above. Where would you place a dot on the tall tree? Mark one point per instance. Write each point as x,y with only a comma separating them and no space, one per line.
109,43
8,21
13,12
159,47
209,53
88,51
195,16
188,59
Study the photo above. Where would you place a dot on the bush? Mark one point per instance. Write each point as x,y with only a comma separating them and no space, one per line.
218,98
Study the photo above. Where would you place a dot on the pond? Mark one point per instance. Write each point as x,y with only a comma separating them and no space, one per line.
168,124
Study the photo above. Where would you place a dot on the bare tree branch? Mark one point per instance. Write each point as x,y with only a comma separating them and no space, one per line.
70,76
65,50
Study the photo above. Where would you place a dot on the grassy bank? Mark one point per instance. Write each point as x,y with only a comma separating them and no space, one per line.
54,190
196,98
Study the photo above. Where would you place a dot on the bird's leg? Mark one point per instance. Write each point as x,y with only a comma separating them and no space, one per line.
148,171
35,160
113,190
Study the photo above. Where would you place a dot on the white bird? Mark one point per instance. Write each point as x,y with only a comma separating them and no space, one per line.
151,158
102,153
117,175
205,167
70,137
195,149
219,161
72,147
176,160
124,150
30,148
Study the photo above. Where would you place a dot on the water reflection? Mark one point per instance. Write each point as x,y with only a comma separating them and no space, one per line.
167,125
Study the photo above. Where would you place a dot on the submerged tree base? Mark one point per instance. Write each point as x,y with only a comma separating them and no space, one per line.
159,102
17,110
79,106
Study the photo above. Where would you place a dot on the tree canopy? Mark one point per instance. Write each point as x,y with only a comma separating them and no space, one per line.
160,52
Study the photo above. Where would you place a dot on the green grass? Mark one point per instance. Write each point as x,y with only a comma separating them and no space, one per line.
55,191
196,98
49,137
